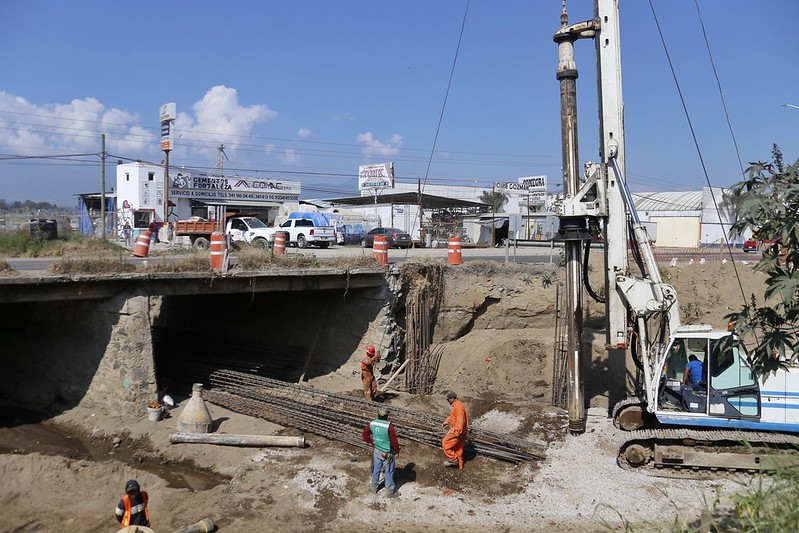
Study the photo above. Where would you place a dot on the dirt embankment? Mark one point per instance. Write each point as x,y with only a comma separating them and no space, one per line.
495,324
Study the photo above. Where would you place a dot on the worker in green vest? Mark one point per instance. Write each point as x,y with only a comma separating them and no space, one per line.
382,435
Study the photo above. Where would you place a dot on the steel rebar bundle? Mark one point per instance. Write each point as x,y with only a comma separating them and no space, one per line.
342,418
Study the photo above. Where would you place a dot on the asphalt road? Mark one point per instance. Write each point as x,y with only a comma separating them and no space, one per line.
33,266
537,253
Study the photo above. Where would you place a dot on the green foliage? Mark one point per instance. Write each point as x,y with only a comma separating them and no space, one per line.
495,198
770,504
767,201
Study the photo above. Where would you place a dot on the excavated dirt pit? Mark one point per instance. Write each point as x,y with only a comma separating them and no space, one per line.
495,326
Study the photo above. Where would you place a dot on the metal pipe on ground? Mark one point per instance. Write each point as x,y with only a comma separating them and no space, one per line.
237,440
203,526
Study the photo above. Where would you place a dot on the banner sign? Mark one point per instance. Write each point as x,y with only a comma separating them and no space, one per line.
509,187
167,113
534,183
522,186
379,176
536,198
205,188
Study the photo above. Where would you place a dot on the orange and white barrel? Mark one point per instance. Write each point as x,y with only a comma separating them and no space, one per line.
380,248
281,239
142,247
218,250
454,255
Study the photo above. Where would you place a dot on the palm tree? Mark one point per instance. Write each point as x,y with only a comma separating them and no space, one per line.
495,199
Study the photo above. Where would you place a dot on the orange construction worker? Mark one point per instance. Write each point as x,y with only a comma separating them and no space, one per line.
455,439
368,372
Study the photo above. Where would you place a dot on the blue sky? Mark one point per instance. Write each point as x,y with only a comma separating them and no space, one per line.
308,90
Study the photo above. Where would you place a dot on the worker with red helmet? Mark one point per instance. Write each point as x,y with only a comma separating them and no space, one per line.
368,372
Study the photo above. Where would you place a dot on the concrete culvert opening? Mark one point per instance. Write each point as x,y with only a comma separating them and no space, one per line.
286,336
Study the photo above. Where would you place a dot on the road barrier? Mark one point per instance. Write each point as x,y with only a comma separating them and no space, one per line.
454,255
142,247
218,250
281,239
380,247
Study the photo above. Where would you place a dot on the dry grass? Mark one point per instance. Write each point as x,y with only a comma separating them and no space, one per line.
6,269
249,260
73,266
246,260
22,244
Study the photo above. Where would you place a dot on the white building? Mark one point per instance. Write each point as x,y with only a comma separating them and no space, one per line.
142,195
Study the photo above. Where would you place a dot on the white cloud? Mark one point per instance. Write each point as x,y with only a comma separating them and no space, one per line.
77,126
304,133
289,156
373,147
220,119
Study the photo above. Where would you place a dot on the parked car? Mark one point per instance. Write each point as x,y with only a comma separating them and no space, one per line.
396,238
751,245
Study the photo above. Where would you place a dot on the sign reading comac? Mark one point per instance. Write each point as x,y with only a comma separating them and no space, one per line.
207,188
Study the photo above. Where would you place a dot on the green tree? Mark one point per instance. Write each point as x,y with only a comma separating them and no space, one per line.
767,201
498,199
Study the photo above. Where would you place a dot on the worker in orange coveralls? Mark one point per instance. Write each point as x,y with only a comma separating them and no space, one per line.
368,372
455,439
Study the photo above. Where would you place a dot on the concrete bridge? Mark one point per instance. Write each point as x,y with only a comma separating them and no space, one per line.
109,342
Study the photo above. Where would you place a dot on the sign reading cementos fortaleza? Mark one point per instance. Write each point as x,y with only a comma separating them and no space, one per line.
220,188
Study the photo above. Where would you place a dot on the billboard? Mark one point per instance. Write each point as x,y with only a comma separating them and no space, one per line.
380,176
534,183
209,188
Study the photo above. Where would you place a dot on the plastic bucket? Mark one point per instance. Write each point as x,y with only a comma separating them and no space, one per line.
154,413
380,248
281,238
142,247
454,255
218,250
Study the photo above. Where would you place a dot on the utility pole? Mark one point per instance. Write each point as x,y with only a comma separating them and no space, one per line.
168,113
102,186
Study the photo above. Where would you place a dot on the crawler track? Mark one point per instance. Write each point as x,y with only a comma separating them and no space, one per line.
682,452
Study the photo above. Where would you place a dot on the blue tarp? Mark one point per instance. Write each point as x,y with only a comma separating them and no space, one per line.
319,219
86,218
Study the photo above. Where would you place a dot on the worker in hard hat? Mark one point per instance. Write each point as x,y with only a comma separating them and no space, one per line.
381,434
132,508
455,439
368,372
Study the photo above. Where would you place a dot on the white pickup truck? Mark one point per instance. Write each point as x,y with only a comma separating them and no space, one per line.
247,229
303,231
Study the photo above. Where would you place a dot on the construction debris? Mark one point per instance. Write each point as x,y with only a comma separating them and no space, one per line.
340,417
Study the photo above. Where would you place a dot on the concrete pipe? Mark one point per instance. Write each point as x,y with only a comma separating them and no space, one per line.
237,440
203,526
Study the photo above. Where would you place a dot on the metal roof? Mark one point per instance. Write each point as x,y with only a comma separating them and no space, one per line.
668,201
429,201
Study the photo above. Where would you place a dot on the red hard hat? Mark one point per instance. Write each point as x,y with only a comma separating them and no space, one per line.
370,349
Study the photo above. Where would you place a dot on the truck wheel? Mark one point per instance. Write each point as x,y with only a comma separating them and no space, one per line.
260,243
202,243
324,245
301,242
363,243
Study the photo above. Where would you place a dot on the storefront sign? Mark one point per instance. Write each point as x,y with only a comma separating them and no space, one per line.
206,188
